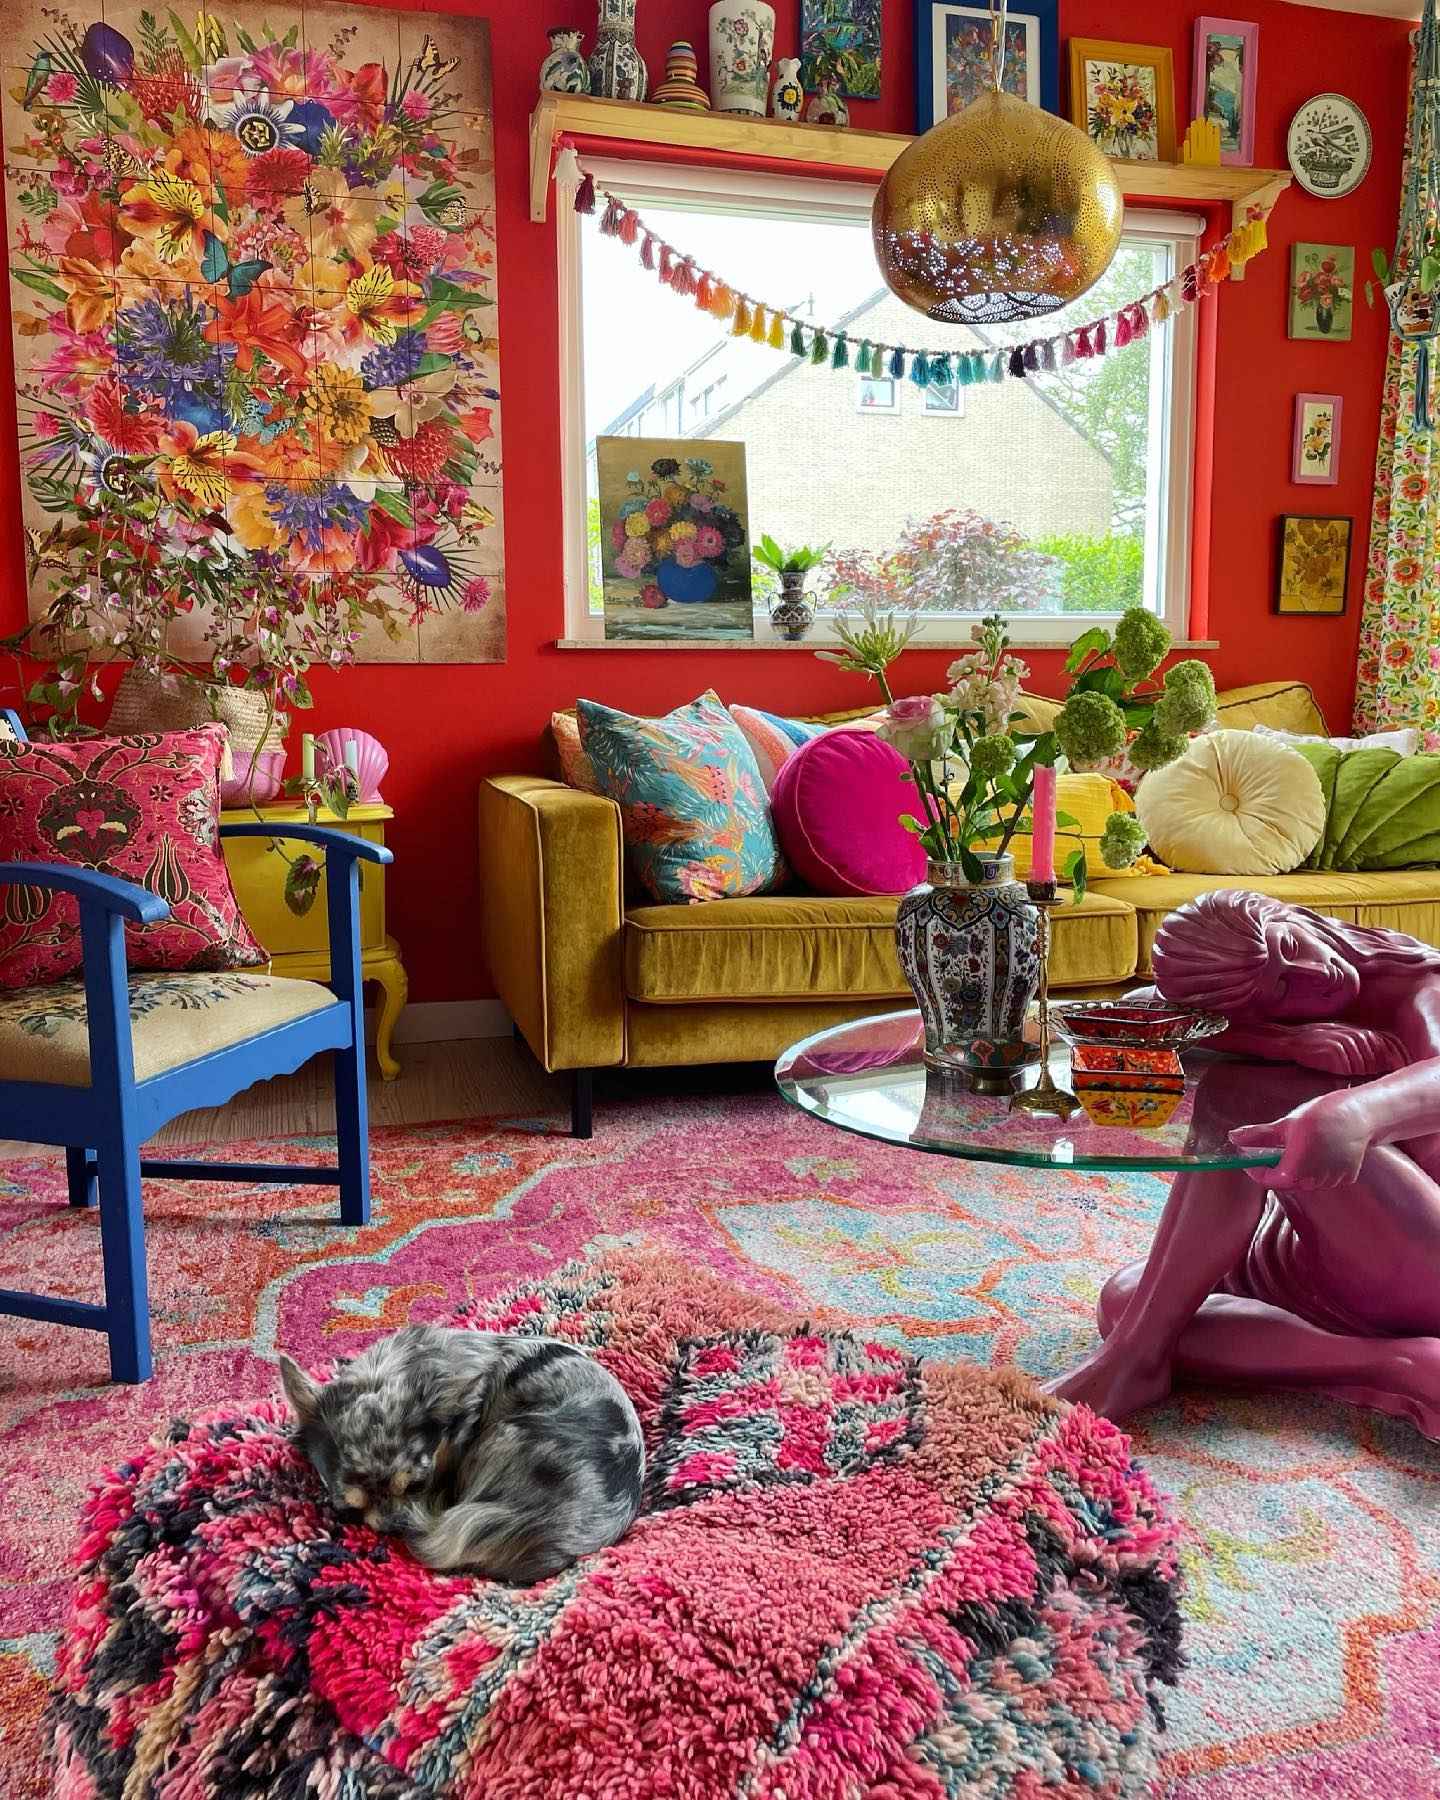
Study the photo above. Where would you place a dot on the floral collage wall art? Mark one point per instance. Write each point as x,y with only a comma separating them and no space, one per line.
252,260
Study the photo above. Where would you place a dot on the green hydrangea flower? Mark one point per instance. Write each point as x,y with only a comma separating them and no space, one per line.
1188,703
1089,728
1141,642
1154,748
1121,841
992,756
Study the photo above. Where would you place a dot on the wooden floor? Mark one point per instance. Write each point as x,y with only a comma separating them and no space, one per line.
468,1080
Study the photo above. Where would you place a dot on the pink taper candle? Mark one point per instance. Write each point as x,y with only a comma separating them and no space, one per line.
1042,842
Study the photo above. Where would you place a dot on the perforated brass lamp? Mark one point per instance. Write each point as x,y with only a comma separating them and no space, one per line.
1000,212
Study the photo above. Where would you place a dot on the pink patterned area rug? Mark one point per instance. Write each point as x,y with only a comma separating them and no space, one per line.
1310,1534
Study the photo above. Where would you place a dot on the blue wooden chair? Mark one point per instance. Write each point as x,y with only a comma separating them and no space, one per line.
100,1065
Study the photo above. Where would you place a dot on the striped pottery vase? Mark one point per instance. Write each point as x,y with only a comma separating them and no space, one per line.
680,86
971,953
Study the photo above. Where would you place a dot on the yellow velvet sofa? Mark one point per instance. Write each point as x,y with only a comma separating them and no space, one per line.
594,979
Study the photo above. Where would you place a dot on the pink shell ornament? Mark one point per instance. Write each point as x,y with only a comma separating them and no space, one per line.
371,758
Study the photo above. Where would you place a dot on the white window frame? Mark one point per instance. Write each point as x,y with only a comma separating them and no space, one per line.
742,191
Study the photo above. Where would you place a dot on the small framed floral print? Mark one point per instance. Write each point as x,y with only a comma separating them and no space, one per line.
1123,97
1317,440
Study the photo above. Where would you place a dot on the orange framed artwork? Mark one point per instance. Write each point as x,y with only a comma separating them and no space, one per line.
252,267
1123,97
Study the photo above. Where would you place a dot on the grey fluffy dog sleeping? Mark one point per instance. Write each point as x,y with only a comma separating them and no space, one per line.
511,1455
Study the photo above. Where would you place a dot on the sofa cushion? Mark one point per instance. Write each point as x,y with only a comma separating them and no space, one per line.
1287,705
1382,810
1405,900
798,947
691,800
837,805
1234,803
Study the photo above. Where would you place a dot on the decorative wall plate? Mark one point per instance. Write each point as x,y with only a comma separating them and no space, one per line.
1330,146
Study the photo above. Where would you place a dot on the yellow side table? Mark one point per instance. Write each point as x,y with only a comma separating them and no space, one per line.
297,944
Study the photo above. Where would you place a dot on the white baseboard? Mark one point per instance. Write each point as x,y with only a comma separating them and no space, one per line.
446,1021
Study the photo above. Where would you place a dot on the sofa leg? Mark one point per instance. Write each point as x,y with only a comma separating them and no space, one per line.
582,1098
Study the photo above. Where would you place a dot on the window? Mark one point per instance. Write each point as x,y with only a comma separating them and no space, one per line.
1068,494
876,394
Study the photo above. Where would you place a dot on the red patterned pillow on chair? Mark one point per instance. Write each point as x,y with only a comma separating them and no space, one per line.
144,809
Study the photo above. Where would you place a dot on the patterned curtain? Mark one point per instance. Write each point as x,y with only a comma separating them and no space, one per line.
1399,677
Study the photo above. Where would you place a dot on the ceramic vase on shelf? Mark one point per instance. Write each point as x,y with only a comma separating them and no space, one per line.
742,37
792,615
971,953
564,70
680,86
788,100
617,69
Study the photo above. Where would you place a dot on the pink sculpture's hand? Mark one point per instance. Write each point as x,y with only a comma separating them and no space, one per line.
1333,1047
1322,1144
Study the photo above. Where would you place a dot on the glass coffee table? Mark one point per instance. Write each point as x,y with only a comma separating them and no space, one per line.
870,1077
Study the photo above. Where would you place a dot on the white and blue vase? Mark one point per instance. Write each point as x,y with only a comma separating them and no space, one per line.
971,953
564,70
617,69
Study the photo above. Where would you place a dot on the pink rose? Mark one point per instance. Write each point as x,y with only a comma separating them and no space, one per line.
684,553
62,87
618,535
709,542
652,597
658,513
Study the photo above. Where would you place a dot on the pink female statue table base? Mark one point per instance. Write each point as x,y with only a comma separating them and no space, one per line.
1322,1272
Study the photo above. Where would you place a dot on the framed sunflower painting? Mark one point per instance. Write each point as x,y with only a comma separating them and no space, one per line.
252,267
1314,566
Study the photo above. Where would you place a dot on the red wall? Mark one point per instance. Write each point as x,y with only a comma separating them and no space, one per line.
446,727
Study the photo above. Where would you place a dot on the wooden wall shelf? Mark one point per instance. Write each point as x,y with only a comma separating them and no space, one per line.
599,122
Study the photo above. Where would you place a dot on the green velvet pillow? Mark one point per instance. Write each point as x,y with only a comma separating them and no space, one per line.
1382,810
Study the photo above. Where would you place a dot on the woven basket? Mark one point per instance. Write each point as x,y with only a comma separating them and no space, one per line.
146,701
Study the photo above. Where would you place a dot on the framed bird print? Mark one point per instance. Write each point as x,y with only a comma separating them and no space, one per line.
953,55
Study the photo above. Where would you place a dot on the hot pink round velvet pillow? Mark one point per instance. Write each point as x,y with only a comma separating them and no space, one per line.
837,804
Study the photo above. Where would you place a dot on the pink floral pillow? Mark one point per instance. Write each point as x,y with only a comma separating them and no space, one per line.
144,809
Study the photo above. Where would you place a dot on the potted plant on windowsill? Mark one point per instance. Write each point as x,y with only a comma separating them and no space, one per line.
794,615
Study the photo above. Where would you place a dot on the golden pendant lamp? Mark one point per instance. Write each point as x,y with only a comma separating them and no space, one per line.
999,212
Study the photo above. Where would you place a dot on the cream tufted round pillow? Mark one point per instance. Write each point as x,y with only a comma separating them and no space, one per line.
1233,804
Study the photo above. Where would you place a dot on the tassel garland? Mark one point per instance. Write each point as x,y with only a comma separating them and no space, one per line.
764,325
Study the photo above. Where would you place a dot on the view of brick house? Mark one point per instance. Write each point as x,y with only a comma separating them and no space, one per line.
815,468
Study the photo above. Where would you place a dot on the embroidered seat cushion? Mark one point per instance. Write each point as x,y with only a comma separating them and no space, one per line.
692,804
856,1573
144,809
44,1031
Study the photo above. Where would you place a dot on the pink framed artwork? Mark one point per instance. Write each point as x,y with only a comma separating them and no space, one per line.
1317,440
1227,59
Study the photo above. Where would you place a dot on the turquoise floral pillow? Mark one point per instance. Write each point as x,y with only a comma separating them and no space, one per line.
697,822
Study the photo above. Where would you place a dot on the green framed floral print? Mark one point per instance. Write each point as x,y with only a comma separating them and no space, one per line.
1322,292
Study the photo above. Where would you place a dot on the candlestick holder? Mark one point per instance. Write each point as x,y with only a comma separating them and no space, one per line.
1046,1100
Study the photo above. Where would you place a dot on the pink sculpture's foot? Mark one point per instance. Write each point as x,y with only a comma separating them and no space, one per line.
1113,1384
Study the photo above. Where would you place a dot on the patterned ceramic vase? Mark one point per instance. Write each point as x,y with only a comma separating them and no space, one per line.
564,70
680,87
742,37
617,69
971,953
792,615
788,100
